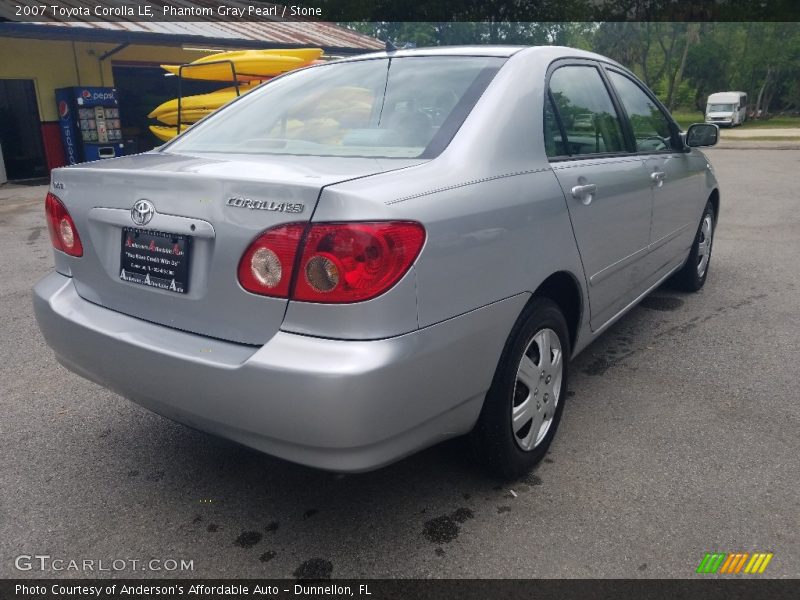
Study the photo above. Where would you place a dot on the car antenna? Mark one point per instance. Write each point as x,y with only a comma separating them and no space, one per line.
390,47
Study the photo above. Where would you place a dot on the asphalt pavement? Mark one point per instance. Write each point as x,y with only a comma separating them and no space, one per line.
680,436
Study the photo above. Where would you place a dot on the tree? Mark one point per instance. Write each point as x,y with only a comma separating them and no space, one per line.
682,62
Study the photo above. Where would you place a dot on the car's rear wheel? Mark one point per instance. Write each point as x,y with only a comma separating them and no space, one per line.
693,275
524,404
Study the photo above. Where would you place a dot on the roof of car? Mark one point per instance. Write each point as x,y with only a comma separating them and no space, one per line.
503,51
551,52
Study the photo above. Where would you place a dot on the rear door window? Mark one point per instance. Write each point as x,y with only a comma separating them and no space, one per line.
553,139
590,121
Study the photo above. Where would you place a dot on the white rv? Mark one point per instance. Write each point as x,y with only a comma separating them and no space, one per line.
727,108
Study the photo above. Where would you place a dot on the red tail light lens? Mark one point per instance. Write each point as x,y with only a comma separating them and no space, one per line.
352,262
267,265
63,233
339,262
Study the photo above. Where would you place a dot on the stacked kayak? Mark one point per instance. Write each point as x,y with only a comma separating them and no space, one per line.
249,64
252,67
194,108
164,133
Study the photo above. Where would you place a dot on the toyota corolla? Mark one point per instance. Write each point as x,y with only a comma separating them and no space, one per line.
364,258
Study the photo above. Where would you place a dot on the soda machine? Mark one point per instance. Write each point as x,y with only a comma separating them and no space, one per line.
90,126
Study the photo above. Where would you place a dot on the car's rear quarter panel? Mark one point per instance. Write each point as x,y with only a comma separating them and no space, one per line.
495,216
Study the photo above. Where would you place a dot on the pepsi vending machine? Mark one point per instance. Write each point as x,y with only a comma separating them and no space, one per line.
90,127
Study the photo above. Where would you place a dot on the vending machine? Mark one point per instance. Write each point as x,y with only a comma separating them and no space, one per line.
90,127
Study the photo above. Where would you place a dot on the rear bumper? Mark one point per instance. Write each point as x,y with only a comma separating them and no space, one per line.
337,405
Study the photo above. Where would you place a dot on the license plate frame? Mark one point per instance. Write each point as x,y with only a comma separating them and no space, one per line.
156,259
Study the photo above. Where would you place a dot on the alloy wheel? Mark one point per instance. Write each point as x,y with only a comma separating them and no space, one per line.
704,245
537,389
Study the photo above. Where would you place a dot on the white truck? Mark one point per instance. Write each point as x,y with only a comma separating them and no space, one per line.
726,108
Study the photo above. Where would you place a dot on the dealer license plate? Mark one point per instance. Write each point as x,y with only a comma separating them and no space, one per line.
155,259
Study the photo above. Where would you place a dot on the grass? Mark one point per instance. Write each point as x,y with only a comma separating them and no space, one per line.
686,118
774,122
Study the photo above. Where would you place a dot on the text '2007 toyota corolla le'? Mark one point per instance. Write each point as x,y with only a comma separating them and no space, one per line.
364,258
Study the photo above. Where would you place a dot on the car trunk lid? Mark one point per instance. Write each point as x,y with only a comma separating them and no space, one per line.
220,203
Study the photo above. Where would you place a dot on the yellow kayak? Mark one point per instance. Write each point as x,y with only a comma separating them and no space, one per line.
190,115
307,55
249,64
165,134
211,101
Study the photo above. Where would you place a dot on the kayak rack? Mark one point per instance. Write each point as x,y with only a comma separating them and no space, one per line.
189,66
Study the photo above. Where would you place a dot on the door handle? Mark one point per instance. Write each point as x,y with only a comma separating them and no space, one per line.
658,177
584,193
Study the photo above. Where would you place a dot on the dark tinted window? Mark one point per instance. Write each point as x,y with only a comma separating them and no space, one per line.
650,126
587,113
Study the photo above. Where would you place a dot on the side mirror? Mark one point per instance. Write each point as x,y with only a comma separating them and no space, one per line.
702,134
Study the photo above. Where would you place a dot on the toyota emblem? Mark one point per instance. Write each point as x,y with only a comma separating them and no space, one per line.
142,212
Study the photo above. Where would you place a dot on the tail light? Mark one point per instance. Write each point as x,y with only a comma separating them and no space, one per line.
352,262
330,262
63,233
266,267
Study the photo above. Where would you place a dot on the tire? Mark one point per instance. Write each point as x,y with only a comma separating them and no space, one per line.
692,275
510,450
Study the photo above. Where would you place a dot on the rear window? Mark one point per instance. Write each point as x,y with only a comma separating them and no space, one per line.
381,108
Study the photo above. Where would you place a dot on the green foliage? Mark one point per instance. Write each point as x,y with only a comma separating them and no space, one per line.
682,62
457,33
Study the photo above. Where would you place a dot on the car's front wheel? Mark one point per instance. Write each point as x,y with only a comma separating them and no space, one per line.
523,407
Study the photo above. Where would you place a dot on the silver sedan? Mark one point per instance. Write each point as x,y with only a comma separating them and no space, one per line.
364,258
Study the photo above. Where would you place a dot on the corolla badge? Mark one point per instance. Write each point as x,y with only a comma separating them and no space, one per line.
242,202
142,212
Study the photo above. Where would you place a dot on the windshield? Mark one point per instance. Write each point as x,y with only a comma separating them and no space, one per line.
381,108
720,108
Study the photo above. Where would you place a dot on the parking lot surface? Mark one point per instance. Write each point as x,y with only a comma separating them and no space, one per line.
679,437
